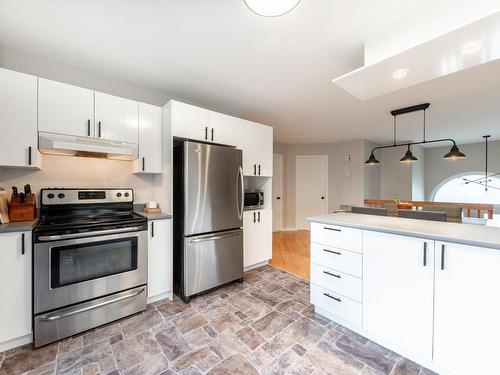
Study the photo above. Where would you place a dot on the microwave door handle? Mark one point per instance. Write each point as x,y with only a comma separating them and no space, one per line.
242,192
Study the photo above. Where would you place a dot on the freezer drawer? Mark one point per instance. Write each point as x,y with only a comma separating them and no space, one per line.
212,260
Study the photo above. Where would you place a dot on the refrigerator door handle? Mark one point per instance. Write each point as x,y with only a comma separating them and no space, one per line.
218,236
242,192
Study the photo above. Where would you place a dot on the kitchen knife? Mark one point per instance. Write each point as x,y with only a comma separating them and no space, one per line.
14,192
22,197
27,191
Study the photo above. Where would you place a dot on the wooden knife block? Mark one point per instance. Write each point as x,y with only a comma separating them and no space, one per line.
25,211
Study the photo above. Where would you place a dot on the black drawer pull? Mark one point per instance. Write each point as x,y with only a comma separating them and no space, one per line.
332,297
23,246
143,163
425,254
99,127
212,131
334,229
442,257
29,155
332,274
333,252
206,133
152,229
88,128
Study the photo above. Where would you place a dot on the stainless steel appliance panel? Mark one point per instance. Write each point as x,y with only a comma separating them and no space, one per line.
69,321
213,188
89,278
212,260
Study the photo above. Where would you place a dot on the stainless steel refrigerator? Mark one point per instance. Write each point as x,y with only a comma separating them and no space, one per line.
208,217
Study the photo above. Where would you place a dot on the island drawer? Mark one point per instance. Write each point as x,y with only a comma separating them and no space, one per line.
336,304
336,281
336,236
337,259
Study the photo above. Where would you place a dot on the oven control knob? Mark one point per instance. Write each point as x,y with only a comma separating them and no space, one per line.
50,196
118,195
61,195
126,195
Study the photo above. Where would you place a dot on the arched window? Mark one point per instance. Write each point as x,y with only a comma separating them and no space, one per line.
468,188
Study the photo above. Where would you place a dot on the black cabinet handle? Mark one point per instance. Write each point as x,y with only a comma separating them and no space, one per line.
206,133
258,216
333,252
88,128
332,274
259,169
152,229
334,229
212,132
332,297
442,257
143,163
23,247
255,169
254,217
29,155
425,254
99,129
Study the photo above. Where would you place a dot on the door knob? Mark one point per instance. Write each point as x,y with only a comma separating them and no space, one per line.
322,197
278,197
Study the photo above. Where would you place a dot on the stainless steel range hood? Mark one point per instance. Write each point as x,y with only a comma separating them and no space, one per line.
60,144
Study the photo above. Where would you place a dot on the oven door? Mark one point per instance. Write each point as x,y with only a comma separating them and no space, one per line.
76,270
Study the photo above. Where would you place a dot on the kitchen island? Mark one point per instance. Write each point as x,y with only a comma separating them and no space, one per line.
427,290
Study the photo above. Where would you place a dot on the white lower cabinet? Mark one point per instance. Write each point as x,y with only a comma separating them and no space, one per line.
398,281
467,309
257,237
15,288
159,259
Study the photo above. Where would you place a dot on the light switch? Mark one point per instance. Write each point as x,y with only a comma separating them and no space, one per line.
347,158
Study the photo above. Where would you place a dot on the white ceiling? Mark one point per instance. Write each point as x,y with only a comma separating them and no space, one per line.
278,71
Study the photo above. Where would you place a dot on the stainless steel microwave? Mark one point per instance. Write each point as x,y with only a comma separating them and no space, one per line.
254,200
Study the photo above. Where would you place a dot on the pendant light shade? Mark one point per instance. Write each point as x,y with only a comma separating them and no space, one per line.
372,160
454,154
271,8
409,157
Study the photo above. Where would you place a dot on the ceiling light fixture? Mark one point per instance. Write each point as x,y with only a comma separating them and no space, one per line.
271,8
400,74
409,157
472,48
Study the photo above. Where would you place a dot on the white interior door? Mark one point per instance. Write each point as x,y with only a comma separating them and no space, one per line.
277,192
311,188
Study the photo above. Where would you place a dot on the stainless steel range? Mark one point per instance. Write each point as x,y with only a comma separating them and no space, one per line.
89,261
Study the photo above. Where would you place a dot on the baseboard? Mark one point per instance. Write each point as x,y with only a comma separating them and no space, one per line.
256,266
289,229
168,295
14,343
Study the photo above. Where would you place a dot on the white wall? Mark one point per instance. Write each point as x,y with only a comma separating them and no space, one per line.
346,180
395,177
372,174
1,55
418,175
60,171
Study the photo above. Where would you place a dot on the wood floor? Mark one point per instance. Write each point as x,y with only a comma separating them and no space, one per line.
291,252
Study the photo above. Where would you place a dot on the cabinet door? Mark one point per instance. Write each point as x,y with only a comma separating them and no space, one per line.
256,141
398,275
249,240
225,129
15,285
18,119
189,121
116,119
467,307
150,139
264,135
264,236
65,109
159,258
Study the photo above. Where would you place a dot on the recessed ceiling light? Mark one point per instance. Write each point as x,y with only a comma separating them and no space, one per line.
400,74
472,48
271,8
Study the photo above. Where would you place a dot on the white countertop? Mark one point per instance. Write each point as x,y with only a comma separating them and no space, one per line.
468,234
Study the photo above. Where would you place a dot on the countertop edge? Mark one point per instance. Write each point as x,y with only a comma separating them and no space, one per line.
408,233
18,226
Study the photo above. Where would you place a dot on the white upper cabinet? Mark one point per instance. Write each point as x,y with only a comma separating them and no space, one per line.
65,109
189,121
398,279
116,119
18,119
150,139
466,292
224,129
256,141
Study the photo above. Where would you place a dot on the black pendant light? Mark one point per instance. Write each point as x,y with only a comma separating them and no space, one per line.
454,153
372,160
409,157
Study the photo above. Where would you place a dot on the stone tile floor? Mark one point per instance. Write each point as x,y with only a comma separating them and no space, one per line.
264,326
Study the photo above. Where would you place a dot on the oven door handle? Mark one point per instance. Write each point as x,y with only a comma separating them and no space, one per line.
88,234
64,313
